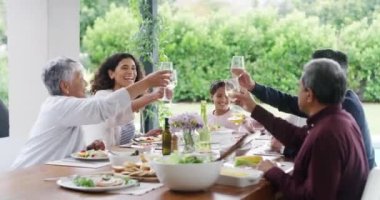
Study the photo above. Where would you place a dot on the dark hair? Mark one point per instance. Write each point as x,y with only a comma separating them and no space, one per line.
216,85
337,56
326,79
102,81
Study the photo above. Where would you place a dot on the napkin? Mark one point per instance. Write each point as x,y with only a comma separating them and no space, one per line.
140,190
78,163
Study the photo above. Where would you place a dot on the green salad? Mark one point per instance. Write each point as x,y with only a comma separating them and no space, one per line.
176,158
104,180
84,182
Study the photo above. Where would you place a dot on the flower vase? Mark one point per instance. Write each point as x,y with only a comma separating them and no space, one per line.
189,144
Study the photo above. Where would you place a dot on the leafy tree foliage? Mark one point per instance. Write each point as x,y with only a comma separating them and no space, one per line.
112,33
275,47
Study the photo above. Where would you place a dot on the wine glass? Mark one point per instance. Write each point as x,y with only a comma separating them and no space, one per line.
165,66
173,80
168,90
232,86
237,65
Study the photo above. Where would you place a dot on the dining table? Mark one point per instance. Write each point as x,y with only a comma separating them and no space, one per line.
39,182
30,183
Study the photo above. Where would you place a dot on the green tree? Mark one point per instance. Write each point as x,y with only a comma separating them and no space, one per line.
115,32
361,41
3,78
90,10
294,38
338,12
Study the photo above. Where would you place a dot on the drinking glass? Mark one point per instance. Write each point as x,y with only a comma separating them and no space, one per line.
168,90
232,86
237,65
165,66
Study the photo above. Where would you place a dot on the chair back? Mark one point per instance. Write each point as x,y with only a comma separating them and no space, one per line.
372,186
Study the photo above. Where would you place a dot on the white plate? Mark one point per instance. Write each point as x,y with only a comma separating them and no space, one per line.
148,139
67,182
73,155
239,177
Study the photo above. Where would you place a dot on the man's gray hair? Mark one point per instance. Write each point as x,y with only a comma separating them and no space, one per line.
326,79
57,70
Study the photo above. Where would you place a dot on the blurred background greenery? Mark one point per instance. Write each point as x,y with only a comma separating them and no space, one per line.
200,36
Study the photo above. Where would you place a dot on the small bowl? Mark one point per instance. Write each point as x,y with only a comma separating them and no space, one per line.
187,177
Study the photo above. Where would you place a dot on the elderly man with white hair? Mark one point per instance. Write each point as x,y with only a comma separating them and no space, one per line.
331,162
57,133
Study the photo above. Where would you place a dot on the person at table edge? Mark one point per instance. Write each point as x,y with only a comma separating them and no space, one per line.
331,162
288,103
57,133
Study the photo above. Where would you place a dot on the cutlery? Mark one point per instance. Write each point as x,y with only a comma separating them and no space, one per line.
233,148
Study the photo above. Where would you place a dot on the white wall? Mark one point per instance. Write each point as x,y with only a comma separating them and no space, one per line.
37,30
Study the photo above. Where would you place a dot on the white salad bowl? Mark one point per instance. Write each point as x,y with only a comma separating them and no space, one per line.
187,177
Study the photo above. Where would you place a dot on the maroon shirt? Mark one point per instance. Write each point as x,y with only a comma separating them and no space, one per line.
331,162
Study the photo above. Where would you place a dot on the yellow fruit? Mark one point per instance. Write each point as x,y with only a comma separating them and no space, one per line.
248,160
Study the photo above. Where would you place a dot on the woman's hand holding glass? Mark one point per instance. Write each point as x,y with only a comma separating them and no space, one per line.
157,93
159,78
168,90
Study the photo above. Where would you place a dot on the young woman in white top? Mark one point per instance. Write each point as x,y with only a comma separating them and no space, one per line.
57,132
117,71
222,112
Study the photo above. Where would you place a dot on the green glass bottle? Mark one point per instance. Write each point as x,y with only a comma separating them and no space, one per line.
166,139
204,112
204,133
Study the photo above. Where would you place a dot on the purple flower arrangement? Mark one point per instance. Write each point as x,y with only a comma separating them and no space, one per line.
185,121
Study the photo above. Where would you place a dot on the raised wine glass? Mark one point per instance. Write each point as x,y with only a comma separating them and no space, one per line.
237,65
168,90
232,86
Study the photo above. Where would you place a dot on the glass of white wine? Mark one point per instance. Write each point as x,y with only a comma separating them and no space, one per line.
237,65
232,86
168,90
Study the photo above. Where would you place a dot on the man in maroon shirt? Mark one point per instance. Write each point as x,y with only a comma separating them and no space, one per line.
331,163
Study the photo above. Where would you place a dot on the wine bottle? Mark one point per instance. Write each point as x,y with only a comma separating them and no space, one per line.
204,133
204,113
166,139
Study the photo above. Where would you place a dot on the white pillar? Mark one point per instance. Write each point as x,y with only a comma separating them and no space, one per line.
37,31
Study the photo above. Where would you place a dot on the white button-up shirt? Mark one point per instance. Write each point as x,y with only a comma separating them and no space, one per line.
110,130
57,132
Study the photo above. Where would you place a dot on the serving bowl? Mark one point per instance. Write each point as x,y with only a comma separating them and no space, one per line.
187,177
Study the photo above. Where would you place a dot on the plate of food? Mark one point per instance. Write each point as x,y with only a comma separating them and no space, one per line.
97,182
90,155
147,139
140,171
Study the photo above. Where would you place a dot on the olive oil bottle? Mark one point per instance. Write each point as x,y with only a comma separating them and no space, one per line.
166,139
